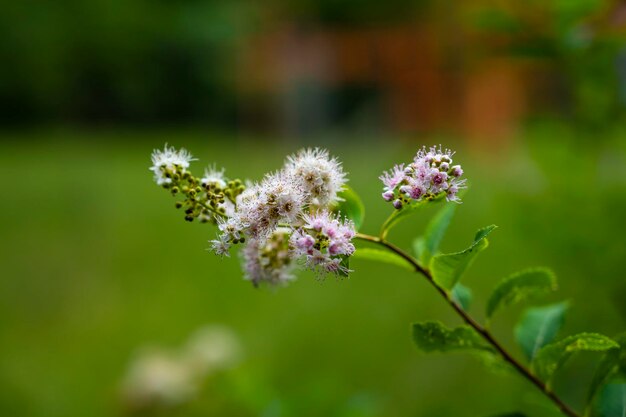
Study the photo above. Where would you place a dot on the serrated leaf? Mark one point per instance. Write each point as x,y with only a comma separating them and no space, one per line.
447,269
538,326
404,212
611,364
426,246
433,336
351,206
462,295
382,256
612,401
519,287
551,357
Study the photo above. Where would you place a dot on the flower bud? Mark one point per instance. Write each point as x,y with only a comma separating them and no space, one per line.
397,204
388,195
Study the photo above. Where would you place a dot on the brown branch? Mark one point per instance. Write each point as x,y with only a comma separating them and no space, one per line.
482,331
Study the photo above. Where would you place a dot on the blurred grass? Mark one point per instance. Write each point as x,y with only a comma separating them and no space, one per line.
96,263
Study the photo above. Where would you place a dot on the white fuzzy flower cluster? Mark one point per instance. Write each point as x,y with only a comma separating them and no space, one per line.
207,199
319,176
430,175
269,214
272,217
161,379
169,160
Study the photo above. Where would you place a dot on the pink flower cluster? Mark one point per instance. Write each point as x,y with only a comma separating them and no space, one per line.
324,241
431,174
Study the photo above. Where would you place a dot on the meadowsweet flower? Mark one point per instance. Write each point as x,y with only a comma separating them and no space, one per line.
320,176
279,198
269,260
232,230
169,161
280,218
324,242
221,245
207,199
252,211
284,196
214,177
393,177
430,175
232,227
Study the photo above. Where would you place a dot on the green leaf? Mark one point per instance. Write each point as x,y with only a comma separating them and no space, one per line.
462,295
382,256
426,246
351,206
432,336
551,357
539,326
404,212
519,287
613,361
483,232
447,269
494,363
510,415
612,401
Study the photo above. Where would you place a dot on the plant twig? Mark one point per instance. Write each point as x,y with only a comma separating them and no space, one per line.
481,330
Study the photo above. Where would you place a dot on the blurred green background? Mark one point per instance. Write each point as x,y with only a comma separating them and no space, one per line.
96,263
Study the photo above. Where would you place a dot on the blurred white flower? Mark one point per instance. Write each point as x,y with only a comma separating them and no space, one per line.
158,378
212,348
